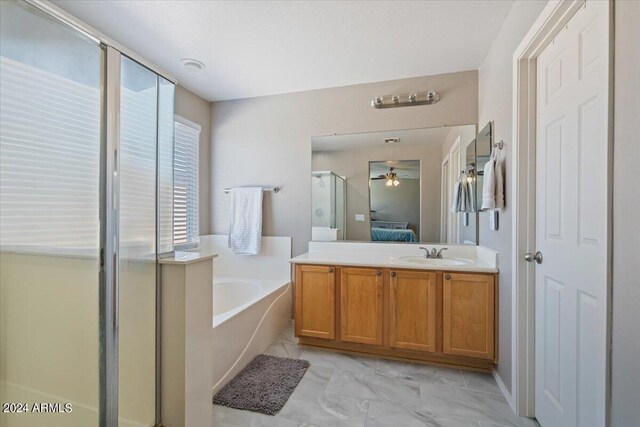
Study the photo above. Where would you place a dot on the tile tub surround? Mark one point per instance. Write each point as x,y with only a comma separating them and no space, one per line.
342,389
366,254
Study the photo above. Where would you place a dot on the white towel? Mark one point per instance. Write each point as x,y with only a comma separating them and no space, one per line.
245,228
499,188
489,184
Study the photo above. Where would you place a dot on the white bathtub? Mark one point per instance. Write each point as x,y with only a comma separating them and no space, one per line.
252,301
231,295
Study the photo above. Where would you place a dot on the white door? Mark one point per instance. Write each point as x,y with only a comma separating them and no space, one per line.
571,222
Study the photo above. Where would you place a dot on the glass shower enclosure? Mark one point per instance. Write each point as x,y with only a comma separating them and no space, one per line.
328,199
86,142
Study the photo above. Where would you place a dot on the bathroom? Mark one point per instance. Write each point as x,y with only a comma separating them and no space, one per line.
188,185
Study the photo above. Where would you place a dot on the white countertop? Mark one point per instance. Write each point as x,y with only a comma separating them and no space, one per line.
481,260
189,257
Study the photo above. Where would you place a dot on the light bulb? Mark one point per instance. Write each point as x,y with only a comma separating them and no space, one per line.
389,183
396,183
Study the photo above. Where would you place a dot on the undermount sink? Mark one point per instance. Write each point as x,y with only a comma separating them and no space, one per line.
435,261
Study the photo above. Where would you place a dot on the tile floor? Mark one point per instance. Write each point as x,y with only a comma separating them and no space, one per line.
347,390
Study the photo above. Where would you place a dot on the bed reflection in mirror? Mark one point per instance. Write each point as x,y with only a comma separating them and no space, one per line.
392,186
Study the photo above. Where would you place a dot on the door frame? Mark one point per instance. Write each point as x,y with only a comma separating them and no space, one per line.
453,225
444,198
553,18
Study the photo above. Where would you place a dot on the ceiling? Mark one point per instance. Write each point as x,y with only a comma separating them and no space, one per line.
263,48
408,137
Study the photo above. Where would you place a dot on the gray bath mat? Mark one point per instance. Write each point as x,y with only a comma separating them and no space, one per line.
264,385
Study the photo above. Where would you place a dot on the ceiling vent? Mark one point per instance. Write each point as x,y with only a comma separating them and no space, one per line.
192,64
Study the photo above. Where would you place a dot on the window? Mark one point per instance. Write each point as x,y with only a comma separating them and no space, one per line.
185,183
49,140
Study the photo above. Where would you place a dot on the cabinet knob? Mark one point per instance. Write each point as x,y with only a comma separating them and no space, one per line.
331,270
378,273
447,276
393,274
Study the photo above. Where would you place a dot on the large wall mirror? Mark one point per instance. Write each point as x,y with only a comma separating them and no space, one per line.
395,186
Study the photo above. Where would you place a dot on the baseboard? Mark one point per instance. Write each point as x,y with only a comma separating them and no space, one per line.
505,391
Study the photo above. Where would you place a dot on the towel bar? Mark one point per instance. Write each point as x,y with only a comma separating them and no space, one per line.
274,189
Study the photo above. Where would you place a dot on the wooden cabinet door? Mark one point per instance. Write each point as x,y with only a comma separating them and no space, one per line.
468,315
315,301
412,310
361,312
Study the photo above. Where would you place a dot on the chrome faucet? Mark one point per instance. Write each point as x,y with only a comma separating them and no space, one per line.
439,254
433,253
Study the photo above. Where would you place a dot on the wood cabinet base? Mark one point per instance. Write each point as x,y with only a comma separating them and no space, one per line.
407,355
419,315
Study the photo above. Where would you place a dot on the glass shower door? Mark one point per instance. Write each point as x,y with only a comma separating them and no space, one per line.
139,103
50,137
146,148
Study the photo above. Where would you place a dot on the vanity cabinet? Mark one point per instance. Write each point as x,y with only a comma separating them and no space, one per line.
412,310
361,311
468,315
315,290
424,315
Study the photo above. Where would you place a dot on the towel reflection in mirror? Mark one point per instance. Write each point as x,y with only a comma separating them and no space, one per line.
464,193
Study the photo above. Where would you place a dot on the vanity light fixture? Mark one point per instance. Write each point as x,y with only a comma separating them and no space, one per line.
407,100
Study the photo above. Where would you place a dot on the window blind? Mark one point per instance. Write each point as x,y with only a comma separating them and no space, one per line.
49,159
185,183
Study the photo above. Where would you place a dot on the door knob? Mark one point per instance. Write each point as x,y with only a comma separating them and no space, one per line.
537,257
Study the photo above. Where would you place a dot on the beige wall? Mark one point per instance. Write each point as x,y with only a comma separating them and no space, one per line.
267,140
193,108
625,392
354,165
495,105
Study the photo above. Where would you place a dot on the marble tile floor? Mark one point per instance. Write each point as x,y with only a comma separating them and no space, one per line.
347,390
